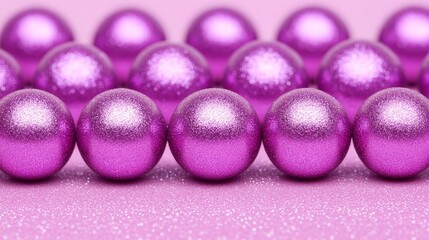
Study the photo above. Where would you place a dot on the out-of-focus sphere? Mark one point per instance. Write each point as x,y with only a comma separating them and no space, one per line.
263,71
167,73
214,134
391,133
423,82
37,134
407,34
30,34
75,73
10,74
312,32
121,134
217,34
124,34
354,70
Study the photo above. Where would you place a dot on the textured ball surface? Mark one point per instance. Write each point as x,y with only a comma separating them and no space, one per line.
37,134
217,34
354,70
407,34
75,73
306,133
312,32
30,34
167,73
262,71
391,133
124,34
10,74
214,134
121,134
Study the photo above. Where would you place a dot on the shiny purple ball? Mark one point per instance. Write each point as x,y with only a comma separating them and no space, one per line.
263,71
168,73
312,32
214,134
391,133
121,134
217,34
423,82
37,134
124,34
30,34
407,34
306,133
75,73
354,70
10,74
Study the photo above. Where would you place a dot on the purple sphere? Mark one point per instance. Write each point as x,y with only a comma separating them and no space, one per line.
10,74
75,73
391,133
121,134
407,34
423,82
263,71
124,34
354,70
217,34
306,133
214,134
312,32
29,35
168,73
37,134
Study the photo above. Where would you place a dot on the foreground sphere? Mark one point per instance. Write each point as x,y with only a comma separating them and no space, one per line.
29,35
37,134
214,134
312,32
263,71
167,73
75,73
121,134
306,133
10,75
391,133
407,34
354,70
124,34
217,34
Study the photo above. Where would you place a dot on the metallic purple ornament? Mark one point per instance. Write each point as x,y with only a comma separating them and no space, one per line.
423,82
263,71
168,73
124,34
354,70
214,134
407,34
121,134
10,74
217,34
75,73
29,35
37,134
391,133
306,133
312,32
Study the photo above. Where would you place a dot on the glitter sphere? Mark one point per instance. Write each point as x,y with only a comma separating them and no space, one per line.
124,34
354,70
217,34
75,73
306,133
214,134
29,35
167,73
121,134
407,34
10,74
37,134
312,32
391,133
263,71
